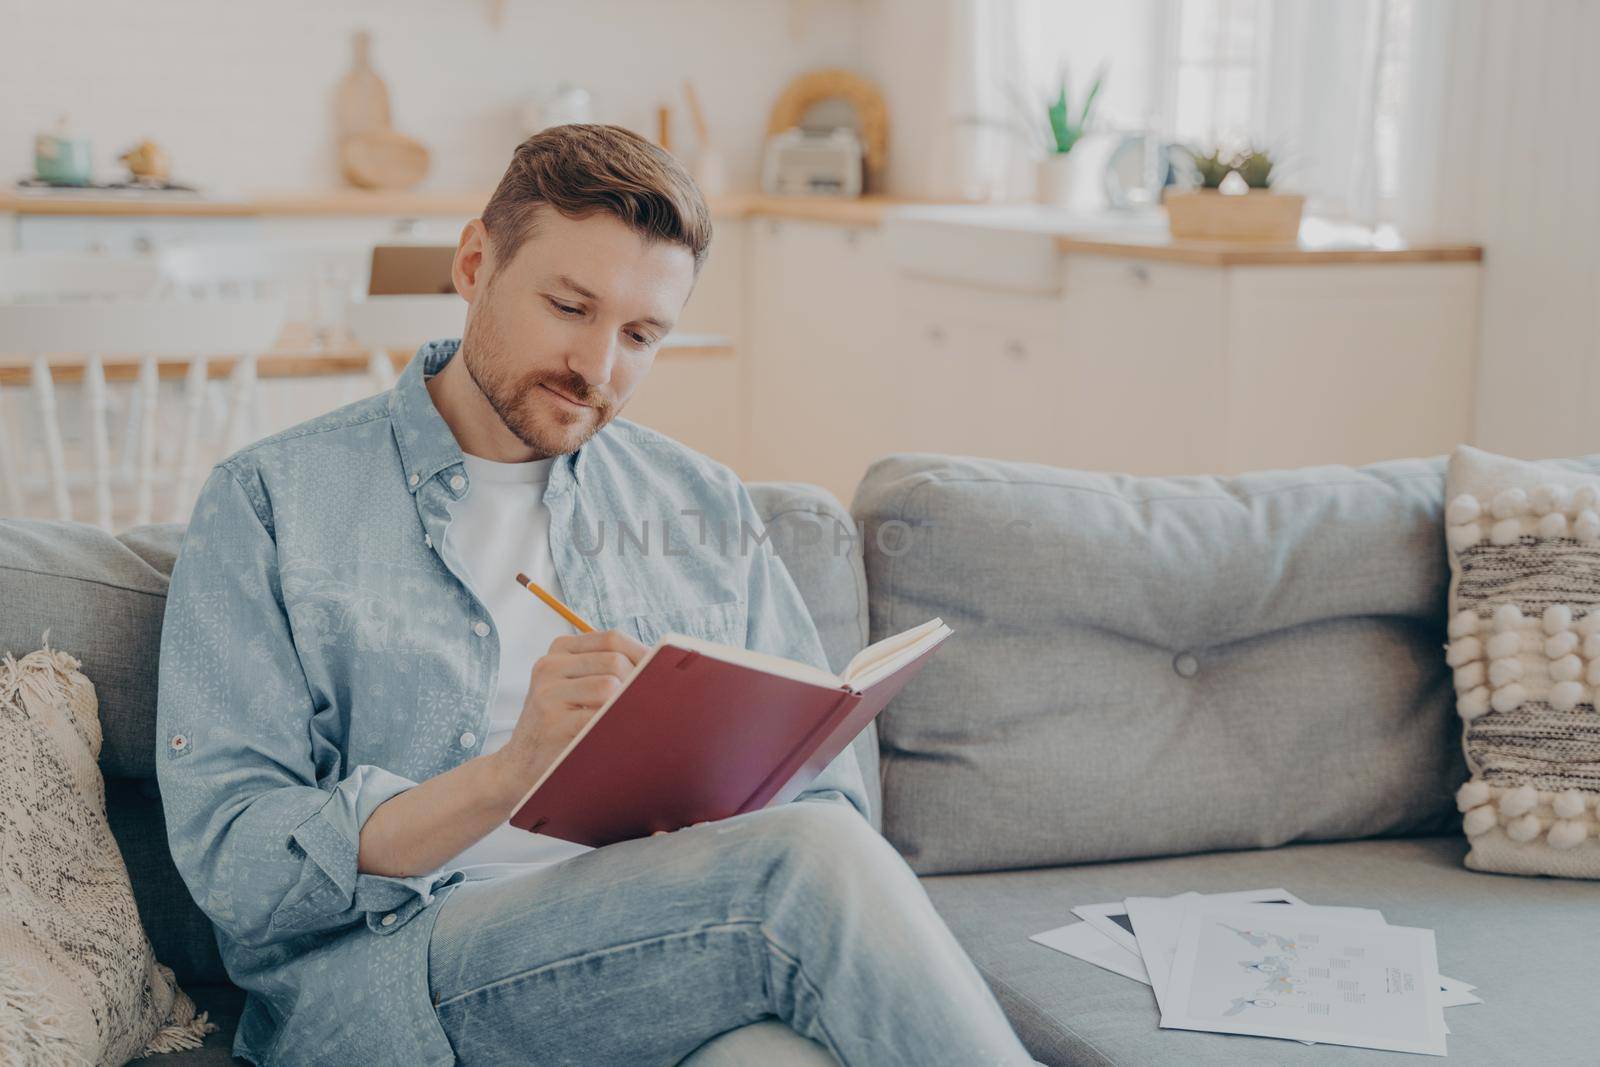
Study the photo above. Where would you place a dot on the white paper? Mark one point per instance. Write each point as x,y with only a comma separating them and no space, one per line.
1453,994
1156,921
1159,920
1295,973
1112,919
1084,942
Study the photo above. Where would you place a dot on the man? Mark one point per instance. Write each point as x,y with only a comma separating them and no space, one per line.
355,693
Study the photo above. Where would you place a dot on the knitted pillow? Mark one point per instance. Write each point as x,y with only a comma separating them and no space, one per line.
79,983
1524,545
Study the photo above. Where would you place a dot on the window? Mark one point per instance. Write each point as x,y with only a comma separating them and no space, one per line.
1216,59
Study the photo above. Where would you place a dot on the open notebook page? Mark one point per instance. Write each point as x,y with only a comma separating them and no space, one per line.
869,664
886,656
892,650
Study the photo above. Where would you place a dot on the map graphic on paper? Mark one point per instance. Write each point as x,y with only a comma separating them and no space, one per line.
1294,972
1270,971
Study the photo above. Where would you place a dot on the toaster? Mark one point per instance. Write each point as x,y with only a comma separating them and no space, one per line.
813,163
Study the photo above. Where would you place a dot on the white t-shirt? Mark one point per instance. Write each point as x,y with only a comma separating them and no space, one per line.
499,528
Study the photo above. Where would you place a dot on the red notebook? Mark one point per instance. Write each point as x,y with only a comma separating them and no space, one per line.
702,731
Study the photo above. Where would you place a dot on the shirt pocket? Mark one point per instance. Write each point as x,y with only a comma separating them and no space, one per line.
723,623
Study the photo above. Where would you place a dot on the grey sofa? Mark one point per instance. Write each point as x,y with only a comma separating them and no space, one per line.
1155,685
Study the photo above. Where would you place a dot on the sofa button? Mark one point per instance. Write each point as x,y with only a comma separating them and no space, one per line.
1186,665
389,919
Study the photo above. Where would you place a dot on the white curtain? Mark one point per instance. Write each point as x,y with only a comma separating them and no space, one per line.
1317,100
991,79
1501,148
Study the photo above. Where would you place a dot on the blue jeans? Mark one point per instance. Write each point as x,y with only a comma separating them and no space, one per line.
640,952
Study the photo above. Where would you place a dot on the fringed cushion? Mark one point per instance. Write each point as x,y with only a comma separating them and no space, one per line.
1524,542
79,983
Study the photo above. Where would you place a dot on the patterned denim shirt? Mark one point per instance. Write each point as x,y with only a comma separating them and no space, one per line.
319,656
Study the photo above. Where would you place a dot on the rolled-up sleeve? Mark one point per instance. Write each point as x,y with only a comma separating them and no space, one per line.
266,844
779,623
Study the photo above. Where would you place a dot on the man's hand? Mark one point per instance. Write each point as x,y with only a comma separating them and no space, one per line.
568,685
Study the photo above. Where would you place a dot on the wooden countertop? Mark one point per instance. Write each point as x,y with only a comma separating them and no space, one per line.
1319,243
866,210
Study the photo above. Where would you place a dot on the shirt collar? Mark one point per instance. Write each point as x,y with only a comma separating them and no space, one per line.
427,445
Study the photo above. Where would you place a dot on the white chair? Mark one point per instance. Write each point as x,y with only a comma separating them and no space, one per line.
140,337
66,276
48,276
380,323
315,279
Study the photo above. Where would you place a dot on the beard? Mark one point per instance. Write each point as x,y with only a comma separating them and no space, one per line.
540,421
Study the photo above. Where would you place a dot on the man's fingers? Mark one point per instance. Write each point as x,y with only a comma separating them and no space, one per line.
601,641
583,664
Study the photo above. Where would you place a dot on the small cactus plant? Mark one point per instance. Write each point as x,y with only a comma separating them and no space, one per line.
1253,165
1212,168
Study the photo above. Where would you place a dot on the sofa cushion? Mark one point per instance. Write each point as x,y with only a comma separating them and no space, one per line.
180,933
1517,939
817,541
1150,666
101,598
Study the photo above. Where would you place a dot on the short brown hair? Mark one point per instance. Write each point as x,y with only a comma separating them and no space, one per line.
581,168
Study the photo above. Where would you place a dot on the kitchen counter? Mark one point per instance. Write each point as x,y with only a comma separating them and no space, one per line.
1319,243
1026,237
868,210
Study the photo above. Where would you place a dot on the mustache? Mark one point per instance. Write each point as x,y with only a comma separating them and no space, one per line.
572,385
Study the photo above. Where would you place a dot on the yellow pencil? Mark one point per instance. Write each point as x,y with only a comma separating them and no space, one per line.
561,609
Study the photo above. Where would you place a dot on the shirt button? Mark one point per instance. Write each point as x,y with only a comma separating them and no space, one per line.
481,628
414,479
468,738
1186,665
389,919
427,539
456,482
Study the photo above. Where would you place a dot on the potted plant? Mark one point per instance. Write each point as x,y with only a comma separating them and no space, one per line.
1235,200
1055,170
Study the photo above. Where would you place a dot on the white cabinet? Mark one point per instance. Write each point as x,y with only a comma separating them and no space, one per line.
1122,370
1349,364
816,337
693,397
1144,348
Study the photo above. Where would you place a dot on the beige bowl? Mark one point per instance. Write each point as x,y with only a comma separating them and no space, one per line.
383,159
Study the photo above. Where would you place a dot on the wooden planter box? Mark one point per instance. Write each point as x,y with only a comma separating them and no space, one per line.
1259,215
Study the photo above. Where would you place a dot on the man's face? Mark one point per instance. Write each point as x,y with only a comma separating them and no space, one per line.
558,338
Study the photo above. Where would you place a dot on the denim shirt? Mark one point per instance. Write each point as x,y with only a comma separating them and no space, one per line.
319,656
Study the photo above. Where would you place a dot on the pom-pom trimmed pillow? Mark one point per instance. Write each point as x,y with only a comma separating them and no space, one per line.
1524,545
79,983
